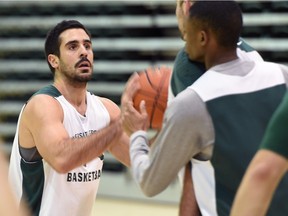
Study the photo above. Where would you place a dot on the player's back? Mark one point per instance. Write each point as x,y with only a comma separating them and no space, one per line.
240,105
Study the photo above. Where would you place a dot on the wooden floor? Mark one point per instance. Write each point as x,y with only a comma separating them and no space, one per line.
118,207
119,195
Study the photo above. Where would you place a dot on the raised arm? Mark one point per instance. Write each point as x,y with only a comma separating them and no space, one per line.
154,169
119,147
42,126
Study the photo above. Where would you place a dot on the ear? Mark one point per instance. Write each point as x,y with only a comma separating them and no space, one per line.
53,60
203,37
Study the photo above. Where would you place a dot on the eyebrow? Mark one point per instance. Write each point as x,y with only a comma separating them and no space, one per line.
76,41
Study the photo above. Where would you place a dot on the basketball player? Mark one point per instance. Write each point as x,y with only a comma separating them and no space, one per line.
267,168
64,130
186,72
221,117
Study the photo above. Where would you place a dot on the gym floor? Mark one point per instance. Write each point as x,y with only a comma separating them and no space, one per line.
119,195
111,207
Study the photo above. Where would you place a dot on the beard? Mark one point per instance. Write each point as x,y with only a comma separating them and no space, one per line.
74,76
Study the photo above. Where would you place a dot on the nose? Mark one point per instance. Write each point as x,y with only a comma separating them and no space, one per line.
83,51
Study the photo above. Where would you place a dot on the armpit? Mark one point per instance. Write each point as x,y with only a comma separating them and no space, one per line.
206,154
30,154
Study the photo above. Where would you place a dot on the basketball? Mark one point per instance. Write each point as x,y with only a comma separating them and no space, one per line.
154,84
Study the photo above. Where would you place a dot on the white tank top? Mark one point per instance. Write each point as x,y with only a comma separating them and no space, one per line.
72,193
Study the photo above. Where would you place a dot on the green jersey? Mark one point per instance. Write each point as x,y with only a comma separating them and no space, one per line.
276,136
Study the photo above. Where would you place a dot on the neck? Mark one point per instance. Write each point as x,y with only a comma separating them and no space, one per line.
220,57
74,94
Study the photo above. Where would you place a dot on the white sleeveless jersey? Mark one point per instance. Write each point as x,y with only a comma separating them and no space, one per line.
72,193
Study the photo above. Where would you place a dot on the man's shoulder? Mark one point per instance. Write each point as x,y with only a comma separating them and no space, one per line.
48,90
273,64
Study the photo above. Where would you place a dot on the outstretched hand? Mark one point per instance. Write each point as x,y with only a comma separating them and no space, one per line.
133,120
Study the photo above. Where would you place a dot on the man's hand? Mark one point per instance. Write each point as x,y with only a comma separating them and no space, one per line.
134,120
131,87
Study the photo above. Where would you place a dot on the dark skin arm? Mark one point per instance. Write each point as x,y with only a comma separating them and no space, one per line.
188,203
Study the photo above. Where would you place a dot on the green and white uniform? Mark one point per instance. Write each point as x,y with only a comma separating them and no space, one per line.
222,118
185,73
276,136
47,191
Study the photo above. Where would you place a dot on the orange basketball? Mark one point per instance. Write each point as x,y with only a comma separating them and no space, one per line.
154,83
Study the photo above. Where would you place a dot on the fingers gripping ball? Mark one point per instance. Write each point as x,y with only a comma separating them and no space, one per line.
154,84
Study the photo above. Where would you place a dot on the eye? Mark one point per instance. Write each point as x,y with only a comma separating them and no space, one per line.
72,46
88,46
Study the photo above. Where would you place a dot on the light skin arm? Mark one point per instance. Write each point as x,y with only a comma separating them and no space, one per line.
259,183
42,126
119,147
131,87
8,205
